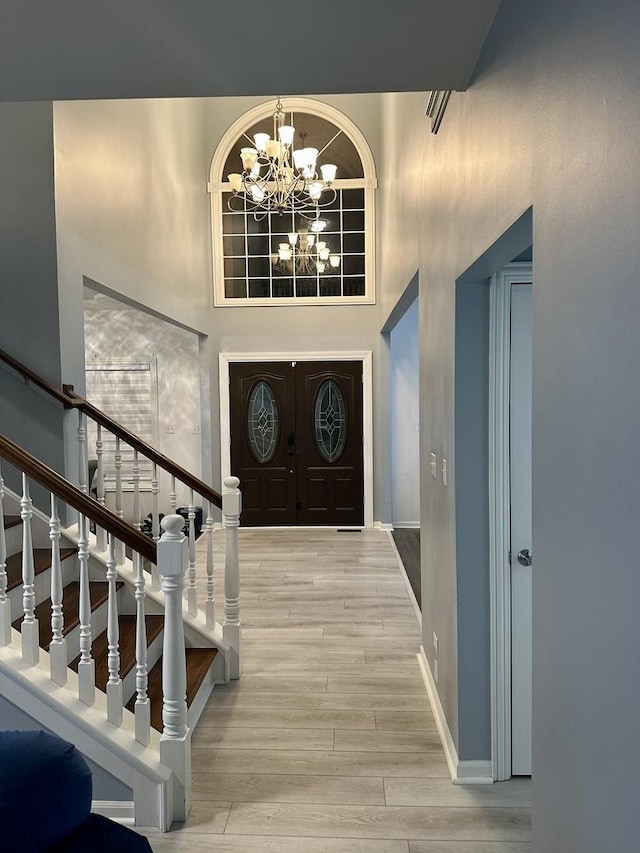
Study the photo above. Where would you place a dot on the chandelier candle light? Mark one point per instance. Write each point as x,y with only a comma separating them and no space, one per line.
276,177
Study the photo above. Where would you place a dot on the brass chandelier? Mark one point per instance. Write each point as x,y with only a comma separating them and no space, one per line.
276,178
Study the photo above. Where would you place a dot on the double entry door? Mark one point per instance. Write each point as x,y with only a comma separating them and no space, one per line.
296,442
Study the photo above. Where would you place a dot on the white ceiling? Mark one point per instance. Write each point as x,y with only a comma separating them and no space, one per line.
176,48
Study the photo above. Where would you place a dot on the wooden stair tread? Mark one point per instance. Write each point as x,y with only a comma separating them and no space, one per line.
126,645
41,562
198,664
11,521
99,592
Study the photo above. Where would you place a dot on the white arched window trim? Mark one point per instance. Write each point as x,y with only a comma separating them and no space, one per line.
369,183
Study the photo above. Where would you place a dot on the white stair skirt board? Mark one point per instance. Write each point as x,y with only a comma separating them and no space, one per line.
120,811
462,772
405,580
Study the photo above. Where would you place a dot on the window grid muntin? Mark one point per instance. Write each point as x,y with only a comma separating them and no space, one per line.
354,281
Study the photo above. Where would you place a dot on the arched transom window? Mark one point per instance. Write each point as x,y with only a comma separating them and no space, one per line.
315,256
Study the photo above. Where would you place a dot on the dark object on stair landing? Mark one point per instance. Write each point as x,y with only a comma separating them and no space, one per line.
184,512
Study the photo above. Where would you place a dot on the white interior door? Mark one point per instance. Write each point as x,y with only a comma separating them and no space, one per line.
521,545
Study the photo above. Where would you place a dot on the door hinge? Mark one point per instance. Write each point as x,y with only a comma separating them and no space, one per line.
509,557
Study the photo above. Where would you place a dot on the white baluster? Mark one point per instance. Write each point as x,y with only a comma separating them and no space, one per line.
192,591
232,628
30,629
120,555
86,666
83,456
155,522
114,684
142,706
136,490
175,742
5,603
101,534
58,646
210,606
173,496
155,518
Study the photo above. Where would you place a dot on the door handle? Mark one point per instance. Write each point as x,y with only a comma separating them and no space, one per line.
524,557
291,443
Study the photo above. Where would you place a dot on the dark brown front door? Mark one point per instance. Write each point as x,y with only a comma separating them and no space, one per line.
296,442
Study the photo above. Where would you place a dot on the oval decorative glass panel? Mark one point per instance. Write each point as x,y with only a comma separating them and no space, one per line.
330,421
263,426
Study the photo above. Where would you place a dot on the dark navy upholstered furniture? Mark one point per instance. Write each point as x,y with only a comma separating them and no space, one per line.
45,800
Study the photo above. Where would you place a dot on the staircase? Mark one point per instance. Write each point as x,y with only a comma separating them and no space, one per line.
199,661
108,638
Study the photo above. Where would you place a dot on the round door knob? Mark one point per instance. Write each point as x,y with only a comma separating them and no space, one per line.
524,557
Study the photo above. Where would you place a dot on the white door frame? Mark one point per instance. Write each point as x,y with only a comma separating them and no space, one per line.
365,356
499,512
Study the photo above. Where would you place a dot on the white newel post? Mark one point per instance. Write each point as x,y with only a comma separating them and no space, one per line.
232,628
58,645
175,742
210,605
29,629
5,604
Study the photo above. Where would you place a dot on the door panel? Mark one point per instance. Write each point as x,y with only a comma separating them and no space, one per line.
520,489
268,488
329,429
297,442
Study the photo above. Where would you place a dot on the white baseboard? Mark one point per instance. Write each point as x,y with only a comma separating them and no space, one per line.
448,745
382,525
474,773
405,580
462,772
413,525
120,811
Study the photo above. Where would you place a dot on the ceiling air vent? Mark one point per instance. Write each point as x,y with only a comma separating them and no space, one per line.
436,105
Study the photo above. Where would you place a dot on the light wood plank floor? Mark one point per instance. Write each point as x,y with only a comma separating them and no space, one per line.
327,743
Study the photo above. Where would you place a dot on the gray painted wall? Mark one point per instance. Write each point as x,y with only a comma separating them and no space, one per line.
553,121
28,279
405,436
472,519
